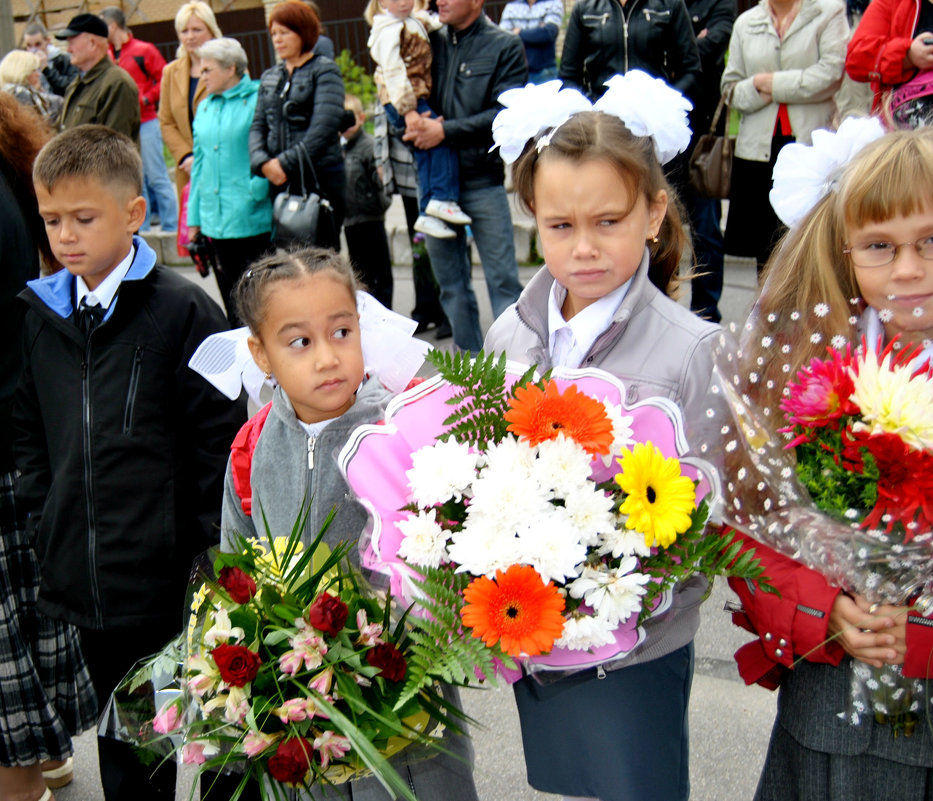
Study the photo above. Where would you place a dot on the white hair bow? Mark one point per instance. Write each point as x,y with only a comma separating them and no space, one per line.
805,174
647,106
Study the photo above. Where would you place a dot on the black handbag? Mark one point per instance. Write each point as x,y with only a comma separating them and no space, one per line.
711,161
308,218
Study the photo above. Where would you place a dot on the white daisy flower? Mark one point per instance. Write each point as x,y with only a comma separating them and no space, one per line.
441,471
584,632
614,594
425,541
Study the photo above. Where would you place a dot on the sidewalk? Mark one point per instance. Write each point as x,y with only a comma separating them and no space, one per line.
729,722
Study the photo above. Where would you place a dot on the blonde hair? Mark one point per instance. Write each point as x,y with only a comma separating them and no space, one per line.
375,7
596,136
17,66
892,176
203,12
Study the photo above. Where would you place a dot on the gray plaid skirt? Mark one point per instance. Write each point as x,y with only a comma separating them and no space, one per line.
45,689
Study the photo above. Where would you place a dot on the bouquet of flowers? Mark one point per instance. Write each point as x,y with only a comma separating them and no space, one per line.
291,672
862,427
540,519
848,490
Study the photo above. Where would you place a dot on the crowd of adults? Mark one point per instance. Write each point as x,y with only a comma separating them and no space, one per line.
281,131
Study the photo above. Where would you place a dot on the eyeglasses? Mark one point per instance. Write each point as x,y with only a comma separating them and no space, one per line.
880,254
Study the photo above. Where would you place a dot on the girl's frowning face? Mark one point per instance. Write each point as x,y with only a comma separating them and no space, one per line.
902,290
309,340
593,235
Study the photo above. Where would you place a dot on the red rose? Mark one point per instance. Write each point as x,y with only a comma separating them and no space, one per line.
240,585
238,665
328,614
291,761
389,659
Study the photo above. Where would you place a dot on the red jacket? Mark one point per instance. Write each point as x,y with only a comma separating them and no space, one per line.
877,50
144,62
794,625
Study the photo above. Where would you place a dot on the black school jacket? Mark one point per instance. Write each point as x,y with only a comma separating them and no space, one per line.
121,446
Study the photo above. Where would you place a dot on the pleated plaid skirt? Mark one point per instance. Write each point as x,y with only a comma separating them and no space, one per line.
46,694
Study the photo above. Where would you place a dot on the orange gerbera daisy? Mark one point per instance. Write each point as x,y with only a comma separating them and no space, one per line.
537,415
517,610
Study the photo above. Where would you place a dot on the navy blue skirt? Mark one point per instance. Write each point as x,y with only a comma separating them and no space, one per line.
619,738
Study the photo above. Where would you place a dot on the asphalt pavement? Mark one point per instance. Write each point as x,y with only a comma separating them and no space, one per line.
729,722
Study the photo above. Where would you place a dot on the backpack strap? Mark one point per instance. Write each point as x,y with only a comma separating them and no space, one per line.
241,457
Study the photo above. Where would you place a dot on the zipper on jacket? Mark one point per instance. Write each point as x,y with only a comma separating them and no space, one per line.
89,482
131,391
312,441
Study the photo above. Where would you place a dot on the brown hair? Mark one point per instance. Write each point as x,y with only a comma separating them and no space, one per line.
891,176
93,152
298,18
597,136
252,289
22,135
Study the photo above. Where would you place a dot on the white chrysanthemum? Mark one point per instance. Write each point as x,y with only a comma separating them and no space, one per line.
623,541
511,500
562,466
584,633
614,594
589,511
511,456
441,471
425,541
551,547
483,547
622,434
893,403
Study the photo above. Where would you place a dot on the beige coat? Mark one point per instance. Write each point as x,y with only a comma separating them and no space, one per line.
807,65
173,113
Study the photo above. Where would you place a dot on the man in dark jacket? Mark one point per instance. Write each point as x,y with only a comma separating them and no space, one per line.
474,63
103,93
57,70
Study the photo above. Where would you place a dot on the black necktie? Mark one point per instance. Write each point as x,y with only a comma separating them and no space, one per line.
89,317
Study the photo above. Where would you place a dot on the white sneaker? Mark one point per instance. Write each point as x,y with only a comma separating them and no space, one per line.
434,227
448,211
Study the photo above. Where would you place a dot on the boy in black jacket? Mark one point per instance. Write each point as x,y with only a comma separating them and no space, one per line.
121,447
365,223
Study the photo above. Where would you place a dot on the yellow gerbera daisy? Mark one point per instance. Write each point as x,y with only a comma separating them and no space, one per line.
660,499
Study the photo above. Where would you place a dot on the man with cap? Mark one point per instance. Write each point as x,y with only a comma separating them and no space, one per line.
103,93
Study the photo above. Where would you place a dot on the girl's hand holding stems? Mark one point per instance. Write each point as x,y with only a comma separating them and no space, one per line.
873,633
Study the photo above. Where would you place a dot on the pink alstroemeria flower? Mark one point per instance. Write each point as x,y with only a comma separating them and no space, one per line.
308,650
167,719
370,633
331,746
298,709
197,752
322,682
255,742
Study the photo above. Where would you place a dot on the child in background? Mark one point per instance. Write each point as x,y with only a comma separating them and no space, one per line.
612,239
869,238
399,45
120,446
301,310
365,224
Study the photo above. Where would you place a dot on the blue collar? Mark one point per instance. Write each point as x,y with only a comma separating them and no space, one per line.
57,291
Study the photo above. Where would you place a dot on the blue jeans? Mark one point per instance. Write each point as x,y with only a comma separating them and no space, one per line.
542,76
438,170
706,226
450,258
156,184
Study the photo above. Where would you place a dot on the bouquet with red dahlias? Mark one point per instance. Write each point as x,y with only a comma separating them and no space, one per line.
291,673
856,502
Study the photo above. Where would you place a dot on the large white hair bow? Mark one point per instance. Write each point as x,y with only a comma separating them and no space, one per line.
647,106
389,351
530,110
805,174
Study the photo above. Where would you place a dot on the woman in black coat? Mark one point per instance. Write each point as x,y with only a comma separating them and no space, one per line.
299,112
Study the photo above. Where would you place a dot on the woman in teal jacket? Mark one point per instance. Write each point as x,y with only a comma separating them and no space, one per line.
227,204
